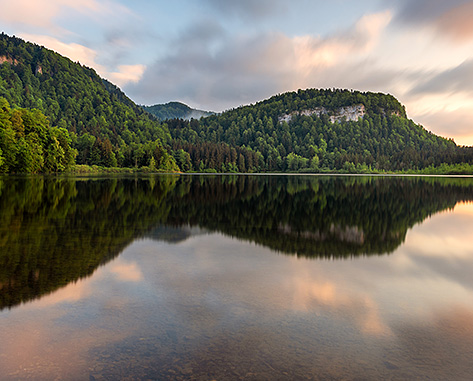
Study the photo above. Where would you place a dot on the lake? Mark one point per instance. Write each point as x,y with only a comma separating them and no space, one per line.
256,277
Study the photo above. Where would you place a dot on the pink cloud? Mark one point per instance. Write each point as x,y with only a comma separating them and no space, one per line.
120,75
457,22
42,14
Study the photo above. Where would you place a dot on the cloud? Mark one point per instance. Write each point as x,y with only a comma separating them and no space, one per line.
127,74
442,101
464,208
457,22
458,123
75,52
121,75
456,79
201,33
42,14
248,9
311,295
423,10
450,19
226,71
71,293
71,28
441,247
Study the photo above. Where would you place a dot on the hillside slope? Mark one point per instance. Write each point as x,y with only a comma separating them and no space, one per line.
108,128
323,130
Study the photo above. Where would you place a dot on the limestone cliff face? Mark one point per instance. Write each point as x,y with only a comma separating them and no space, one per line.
346,113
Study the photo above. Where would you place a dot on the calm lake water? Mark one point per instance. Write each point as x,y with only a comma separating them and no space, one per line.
236,277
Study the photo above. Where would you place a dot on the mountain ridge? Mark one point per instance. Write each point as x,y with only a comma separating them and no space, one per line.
175,110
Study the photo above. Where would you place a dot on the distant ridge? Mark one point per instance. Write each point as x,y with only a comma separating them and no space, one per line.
176,110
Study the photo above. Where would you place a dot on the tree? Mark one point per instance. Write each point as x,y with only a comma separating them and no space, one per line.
152,164
183,159
314,163
54,156
84,146
8,145
65,141
167,163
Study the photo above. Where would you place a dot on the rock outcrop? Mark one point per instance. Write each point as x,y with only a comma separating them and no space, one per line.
11,61
346,113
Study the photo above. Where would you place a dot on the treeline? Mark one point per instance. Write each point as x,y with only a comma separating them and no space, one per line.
220,157
382,139
150,155
29,145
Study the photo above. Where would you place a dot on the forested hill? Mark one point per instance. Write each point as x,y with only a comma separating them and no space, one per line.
318,130
106,127
175,110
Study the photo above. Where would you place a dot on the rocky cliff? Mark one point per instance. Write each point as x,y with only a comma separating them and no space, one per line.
346,113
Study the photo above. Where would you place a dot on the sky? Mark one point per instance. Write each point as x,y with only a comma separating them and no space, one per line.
219,54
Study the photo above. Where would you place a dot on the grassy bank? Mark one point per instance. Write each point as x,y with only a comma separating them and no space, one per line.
444,169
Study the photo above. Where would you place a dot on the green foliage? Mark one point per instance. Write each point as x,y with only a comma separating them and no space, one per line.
220,157
29,145
447,169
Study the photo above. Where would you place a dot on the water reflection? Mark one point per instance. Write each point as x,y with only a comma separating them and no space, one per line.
54,231
212,307
186,300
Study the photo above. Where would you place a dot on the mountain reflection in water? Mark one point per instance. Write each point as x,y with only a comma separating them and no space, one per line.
57,230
